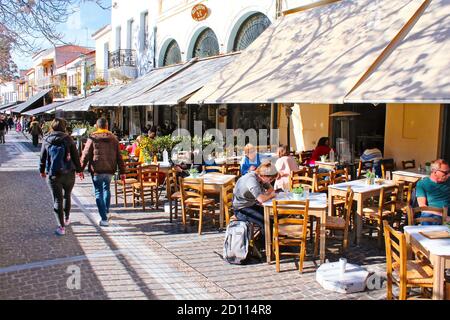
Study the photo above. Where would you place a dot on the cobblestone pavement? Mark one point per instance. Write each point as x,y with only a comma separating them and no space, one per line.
140,256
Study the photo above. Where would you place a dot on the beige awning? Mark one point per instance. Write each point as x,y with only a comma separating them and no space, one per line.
181,85
418,68
314,56
139,86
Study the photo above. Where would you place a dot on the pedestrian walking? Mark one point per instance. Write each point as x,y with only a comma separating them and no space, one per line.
102,155
3,128
35,130
10,123
59,162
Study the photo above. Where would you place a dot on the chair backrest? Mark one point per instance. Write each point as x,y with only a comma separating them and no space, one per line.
412,212
227,199
348,207
131,169
387,166
148,173
290,212
396,254
299,179
407,190
305,156
339,176
191,188
233,168
171,182
321,181
214,169
388,198
409,164
363,167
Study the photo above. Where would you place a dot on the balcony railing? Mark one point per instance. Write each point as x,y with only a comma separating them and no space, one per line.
122,58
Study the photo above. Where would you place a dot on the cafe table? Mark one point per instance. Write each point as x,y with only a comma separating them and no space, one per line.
436,250
317,208
216,182
410,175
362,192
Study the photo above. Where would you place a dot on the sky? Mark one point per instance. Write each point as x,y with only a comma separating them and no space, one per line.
87,19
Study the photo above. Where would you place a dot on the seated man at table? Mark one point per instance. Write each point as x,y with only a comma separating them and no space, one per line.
372,153
434,191
251,159
251,191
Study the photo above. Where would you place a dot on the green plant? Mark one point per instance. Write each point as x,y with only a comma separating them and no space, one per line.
193,172
370,175
298,190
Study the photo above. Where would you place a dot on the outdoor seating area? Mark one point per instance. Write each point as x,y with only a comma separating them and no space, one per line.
315,206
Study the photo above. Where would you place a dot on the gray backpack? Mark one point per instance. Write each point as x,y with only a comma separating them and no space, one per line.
237,242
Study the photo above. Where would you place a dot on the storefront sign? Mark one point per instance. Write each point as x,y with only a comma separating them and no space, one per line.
199,12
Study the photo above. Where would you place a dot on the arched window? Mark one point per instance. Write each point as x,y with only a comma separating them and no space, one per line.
250,30
173,54
206,44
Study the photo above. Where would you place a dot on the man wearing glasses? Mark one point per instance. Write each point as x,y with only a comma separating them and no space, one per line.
435,190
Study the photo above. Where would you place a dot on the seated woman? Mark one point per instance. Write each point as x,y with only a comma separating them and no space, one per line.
284,165
251,159
251,191
322,148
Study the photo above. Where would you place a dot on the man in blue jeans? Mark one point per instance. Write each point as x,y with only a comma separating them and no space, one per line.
102,154
434,191
251,190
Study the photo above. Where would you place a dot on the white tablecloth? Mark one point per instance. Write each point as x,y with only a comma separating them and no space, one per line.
440,247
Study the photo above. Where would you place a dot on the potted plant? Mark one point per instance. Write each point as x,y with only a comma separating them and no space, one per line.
298,193
370,177
193,173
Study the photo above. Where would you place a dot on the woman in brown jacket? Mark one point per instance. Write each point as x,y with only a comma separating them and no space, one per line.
102,155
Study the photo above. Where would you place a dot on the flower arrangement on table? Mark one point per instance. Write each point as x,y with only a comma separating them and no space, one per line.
193,173
370,176
298,192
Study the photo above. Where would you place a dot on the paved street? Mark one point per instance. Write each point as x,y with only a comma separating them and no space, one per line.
140,256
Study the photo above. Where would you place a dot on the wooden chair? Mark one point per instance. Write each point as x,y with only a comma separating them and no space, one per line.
400,271
147,185
406,189
305,156
299,178
173,193
414,212
342,223
290,228
126,187
214,169
233,168
228,200
339,176
363,167
387,166
409,164
374,216
321,182
194,203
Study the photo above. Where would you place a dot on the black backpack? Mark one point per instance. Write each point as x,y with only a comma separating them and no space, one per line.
58,159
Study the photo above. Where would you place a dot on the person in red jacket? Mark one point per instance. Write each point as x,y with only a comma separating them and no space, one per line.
323,148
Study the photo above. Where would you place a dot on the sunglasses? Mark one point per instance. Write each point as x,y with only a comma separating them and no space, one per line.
444,172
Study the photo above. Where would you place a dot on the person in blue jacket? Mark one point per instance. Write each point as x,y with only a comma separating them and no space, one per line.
251,159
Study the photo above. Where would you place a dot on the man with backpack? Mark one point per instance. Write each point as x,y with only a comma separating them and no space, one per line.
59,161
35,130
102,154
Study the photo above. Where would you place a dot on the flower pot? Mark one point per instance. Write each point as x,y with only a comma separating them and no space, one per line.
297,196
